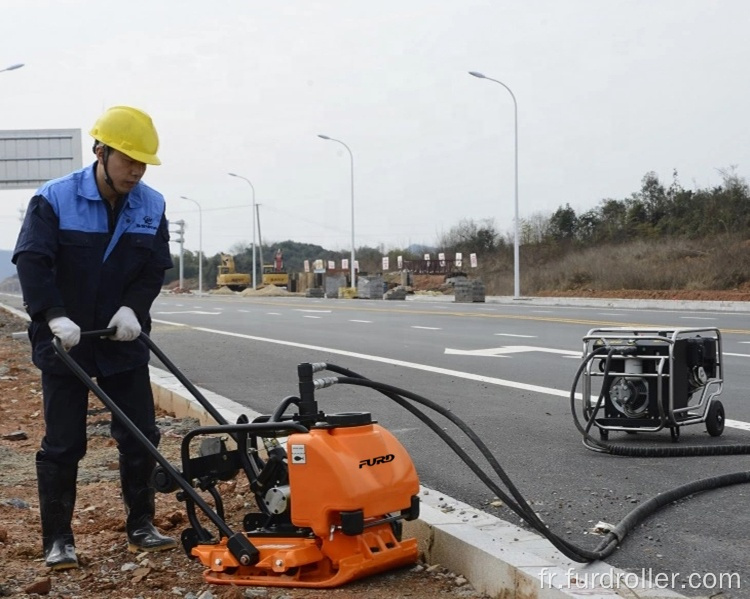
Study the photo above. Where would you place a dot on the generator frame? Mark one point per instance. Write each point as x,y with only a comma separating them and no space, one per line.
673,412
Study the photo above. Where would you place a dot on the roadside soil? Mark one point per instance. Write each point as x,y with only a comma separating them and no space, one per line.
706,295
107,568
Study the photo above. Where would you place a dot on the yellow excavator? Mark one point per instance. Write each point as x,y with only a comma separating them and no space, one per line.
229,277
274,274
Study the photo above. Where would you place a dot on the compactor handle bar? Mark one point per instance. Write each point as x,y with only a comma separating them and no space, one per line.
99,332
242,549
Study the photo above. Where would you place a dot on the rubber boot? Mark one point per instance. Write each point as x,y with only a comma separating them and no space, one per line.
138,495
57,497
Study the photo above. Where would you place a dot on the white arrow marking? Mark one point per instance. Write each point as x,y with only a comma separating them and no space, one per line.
512,335
496,352
511,349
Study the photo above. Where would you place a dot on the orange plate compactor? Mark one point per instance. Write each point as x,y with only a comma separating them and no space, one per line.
332,490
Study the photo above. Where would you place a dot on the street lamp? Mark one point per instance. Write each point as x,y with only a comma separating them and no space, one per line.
12,67
200,244
351,161
516,268
253,188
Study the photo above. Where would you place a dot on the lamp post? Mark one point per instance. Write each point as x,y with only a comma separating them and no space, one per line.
200,244
516,268
260,241
12,67
255,286
351,162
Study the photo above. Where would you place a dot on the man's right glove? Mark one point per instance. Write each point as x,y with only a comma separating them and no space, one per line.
66,330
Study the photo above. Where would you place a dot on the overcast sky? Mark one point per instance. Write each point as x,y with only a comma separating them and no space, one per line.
607,90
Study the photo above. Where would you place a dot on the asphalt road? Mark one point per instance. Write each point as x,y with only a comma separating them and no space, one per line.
506,370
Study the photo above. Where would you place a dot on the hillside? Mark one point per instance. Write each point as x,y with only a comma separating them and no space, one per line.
7,269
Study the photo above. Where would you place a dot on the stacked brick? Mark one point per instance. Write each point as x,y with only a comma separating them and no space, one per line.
468,291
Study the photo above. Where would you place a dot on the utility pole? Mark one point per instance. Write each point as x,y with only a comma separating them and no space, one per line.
181,240
260,240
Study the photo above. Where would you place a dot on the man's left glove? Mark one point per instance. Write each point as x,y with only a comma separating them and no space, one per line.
126,323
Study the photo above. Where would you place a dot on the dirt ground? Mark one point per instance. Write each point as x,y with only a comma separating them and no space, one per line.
107,568
733,295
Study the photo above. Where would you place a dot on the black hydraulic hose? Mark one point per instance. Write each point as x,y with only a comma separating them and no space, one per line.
647,508
397,395
521,508
640,452
613,538
677,452
587,438
281,408
519,505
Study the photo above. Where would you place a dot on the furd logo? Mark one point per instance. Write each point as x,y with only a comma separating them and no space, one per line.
381,459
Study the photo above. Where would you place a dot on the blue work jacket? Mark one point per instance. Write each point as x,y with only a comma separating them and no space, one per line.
73,260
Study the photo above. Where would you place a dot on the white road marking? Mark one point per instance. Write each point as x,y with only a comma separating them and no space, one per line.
696,318
191,312
316,311
308,316
512,335
413,365
365,321
427,328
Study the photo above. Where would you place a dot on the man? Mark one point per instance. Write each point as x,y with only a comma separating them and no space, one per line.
91,254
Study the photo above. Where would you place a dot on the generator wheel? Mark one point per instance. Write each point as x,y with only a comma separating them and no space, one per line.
674,431
715,419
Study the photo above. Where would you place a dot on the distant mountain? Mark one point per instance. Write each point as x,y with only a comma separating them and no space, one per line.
6,268
415,248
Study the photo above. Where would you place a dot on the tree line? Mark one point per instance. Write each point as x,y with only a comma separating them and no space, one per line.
655,212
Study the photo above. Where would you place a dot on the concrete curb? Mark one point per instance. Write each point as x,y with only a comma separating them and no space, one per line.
496,557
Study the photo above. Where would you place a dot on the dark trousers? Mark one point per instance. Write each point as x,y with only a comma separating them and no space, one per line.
66,406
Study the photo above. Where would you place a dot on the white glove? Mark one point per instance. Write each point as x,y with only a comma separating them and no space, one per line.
66,330
126,323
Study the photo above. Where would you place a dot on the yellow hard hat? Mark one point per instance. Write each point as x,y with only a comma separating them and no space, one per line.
130,131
